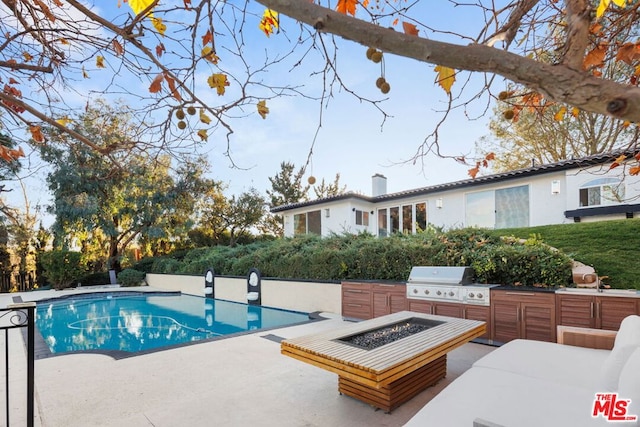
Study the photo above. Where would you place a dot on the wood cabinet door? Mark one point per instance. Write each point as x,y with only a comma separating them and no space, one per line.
381,305
504,321
420,306
356,300
538,322
448,309
576,310
611,311
398,302
482,313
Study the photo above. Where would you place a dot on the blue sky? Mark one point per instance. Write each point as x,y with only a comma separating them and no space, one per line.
352,140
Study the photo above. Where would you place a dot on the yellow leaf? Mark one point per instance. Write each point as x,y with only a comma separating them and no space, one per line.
64,121
626,123
269,21
139,5
99,61
209,55
218,81
575,111
159,25
602,7
620,3
204,118
559,116
202,133
446,77
263,110
27,56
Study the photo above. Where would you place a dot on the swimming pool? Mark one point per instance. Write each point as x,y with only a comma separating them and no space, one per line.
143,321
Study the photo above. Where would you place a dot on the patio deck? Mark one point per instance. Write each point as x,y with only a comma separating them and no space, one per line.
232,382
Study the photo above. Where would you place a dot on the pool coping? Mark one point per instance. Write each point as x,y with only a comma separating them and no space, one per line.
42,350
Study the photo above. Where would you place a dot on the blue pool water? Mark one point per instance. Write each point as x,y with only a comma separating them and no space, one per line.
143,321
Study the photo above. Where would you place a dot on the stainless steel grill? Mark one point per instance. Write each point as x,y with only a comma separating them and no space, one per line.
444,283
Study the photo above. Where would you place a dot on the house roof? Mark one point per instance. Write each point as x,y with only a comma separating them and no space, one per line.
582,162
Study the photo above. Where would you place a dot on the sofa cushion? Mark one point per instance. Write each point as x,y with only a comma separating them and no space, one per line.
558,363
627,340
508,399
629,332
629,385
612,366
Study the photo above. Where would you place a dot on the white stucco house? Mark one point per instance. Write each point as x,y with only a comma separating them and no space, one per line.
575,190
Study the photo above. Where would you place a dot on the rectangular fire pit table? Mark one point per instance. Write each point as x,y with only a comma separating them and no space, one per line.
389,375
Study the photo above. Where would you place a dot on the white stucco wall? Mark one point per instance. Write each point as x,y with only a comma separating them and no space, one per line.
304,296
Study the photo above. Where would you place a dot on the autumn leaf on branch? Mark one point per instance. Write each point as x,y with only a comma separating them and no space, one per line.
207,38
474,171
100,61
263,110
409,29
617,162
36,133
604,4
156,84
202,133
64,121
269,21
210,55
595,58
559,116
446,77
117,47
628,53
635,170
172,86
348,7
9,154
218,81
204,118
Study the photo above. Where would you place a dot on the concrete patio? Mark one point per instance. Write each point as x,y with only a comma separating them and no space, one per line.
238,381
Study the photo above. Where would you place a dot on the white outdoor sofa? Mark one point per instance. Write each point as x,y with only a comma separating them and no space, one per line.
539,384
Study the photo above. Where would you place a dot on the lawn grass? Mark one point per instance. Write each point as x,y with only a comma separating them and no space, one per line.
611,247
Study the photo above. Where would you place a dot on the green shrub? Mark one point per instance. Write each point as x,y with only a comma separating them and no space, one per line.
62,268
100,278
131,277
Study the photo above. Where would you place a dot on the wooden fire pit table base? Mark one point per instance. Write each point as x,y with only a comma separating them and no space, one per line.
389,375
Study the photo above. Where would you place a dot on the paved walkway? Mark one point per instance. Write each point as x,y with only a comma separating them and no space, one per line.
242,381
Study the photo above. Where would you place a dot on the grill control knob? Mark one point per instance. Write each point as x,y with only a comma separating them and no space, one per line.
426,291
479,295
439,293
451,293
415,291
471,295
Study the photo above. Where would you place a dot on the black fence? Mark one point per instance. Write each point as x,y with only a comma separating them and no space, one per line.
18,316
21,282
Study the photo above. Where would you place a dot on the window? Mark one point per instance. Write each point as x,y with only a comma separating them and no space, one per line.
382,222
602,191
307,223
503,208
407,219
362,218
421,217
394,219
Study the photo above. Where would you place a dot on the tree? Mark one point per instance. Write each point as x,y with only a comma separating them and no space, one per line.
236,215
323,190
97,201
169,48
286,188
549,136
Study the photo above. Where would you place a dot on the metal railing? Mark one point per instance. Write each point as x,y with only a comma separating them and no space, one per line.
16,316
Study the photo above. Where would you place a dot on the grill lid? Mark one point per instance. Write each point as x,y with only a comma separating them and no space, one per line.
441,275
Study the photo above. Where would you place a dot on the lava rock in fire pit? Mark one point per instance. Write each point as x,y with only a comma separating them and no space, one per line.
387,334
